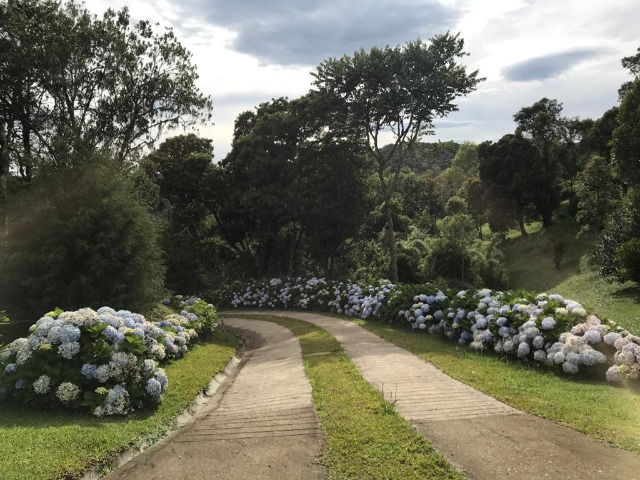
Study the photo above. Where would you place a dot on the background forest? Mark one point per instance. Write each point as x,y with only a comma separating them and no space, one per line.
101,204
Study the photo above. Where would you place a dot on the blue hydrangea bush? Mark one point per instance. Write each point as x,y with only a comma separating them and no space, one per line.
106,361
547,329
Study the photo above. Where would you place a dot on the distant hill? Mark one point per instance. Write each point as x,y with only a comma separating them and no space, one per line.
429,156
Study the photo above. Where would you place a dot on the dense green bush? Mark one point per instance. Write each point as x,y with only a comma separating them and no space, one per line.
460,258
618,245
77,238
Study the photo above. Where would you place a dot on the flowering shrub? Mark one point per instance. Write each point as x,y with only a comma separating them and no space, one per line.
105,361
548,329
317,294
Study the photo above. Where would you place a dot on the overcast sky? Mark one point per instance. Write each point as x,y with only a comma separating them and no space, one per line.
250,51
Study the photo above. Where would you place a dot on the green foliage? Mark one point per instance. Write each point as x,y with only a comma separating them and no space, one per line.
455,205
477,201
514,173
187,181
207,318
74,82
627,258
631,63
599,193
543,125
413,251
466,159
417,201
402,90
450,257
488,263
449,183
459,257
426,157
622,227
79,238
303,188
626,136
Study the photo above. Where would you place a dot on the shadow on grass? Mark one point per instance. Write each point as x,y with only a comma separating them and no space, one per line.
530,260
18,416
631,293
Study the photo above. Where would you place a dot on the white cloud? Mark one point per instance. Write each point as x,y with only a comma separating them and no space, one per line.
238,68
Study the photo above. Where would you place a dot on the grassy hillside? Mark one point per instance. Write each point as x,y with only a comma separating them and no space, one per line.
530,265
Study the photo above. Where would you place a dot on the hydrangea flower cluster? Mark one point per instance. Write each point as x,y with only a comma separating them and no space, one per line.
626,360
105,360
318,294
548,329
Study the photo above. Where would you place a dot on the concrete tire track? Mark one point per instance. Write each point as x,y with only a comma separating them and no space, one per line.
263,425
484,437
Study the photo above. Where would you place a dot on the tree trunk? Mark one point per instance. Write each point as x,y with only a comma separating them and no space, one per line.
266,259
523,231
26,144
4,173
294,252
392,243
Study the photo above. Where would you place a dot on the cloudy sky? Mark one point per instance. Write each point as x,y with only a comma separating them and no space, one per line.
250,51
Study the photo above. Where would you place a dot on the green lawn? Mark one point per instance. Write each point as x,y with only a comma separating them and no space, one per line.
51,444
602,411
529,262
364,436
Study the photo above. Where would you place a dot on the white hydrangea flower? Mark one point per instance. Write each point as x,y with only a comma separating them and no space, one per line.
579,312
611,337
23,356
103,373
592,336
523,349
42,385
539,356
67,392
569,367
69,349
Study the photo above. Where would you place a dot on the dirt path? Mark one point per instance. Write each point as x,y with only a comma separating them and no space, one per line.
261,425
484,437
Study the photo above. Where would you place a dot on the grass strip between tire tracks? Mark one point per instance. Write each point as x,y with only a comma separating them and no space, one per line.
364,436
48,444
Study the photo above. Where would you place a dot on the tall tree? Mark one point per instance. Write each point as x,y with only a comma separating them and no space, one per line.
190,183
73,82
543,124
466,158
626,136
512,166
299,183
631,63
598,194
401,91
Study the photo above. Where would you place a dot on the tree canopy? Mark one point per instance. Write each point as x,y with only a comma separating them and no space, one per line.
71,82
399,91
